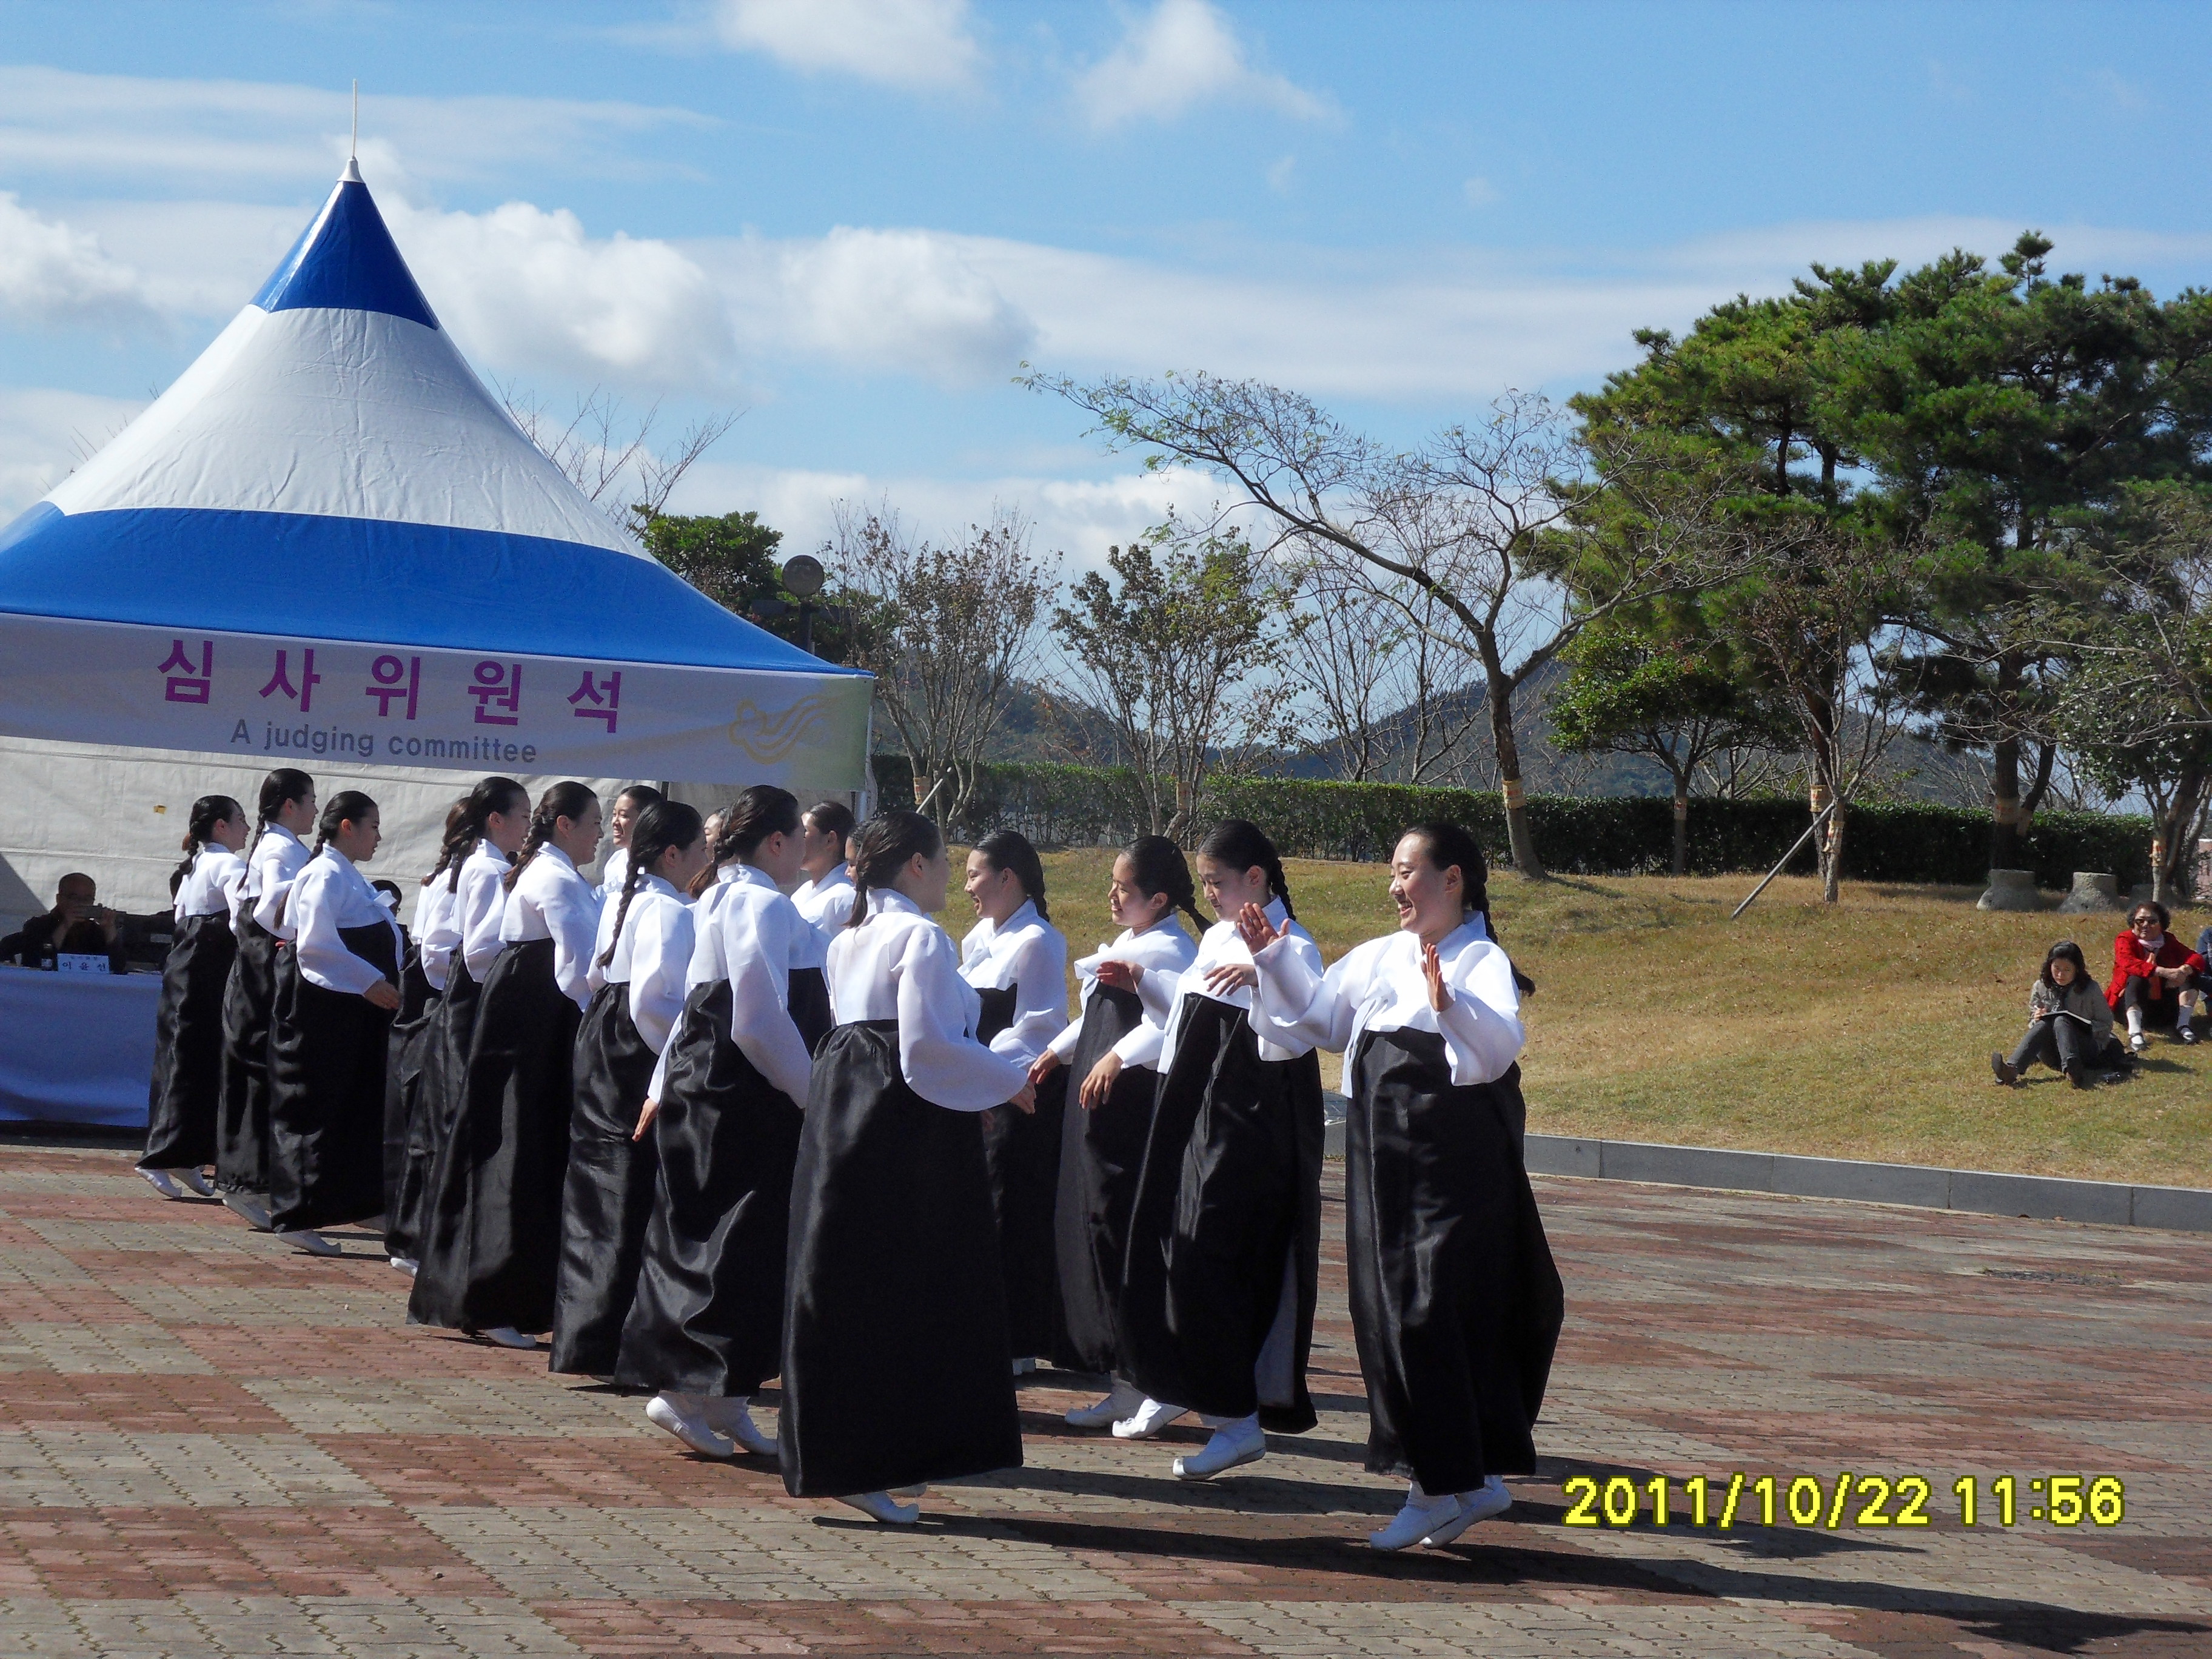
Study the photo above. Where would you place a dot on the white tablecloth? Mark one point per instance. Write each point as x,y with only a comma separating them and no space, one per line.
76,1048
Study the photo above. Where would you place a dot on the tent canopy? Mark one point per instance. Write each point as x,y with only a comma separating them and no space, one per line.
327,537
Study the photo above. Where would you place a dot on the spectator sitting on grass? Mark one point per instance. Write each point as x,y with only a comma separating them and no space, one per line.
2156,978
2069,1024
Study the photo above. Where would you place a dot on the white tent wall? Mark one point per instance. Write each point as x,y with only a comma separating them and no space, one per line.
120,814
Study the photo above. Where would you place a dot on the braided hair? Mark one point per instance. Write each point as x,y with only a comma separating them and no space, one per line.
347,807
1447,845
1008,849
456,816
757,813
563,800
208,812
658,825
1244,845
1159,867
881,849
492,796
278,790
833,817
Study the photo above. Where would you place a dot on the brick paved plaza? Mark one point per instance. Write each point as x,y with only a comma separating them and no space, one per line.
212,1445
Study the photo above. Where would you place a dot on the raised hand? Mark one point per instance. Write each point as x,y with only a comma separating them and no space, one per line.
1254,929
1432,969
1230,976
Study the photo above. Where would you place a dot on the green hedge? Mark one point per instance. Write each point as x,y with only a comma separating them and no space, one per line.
1610,835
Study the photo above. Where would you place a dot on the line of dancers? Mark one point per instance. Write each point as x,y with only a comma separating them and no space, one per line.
744,1111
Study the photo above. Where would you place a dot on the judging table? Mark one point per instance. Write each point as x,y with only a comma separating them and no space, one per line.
76,1048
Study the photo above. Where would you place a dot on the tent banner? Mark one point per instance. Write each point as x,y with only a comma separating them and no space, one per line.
299,701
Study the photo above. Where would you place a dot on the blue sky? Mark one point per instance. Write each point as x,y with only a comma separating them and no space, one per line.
852,219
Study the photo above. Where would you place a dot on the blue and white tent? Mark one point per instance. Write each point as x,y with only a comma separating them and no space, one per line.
327,540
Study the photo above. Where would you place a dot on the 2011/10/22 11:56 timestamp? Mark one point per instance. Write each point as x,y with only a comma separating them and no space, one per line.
1847,1500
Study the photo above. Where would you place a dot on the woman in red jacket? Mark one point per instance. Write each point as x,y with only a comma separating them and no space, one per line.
2157,979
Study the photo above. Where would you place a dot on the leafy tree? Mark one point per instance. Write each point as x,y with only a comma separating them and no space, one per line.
732,560
1170,655
1667,696
946,629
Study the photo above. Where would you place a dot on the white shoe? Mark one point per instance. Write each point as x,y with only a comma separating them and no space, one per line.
507,1336
251,1211
2138,1042
733,1418
1148,1419
196,1180
1233,1445
406,1265
163,1182
663,1414
1422,1517
1490,1499
304,1239
920,1489
881,1506
1123,1402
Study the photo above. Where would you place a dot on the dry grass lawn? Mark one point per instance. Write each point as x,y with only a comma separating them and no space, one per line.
1863,1031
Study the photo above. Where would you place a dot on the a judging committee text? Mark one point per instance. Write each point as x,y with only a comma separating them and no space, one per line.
1843,1499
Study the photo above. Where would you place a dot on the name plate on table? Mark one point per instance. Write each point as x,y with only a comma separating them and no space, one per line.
78,961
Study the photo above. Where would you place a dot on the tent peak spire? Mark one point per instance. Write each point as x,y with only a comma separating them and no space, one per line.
352,174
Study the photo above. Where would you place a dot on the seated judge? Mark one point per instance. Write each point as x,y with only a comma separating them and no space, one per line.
76,926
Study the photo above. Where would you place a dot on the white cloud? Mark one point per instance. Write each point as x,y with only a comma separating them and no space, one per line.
49,273
924,44
1078,516
527,291
1182,54
44,434
57,123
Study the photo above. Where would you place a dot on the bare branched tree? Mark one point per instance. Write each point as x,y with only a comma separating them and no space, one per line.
1390,693
946,629
608,454
1480,519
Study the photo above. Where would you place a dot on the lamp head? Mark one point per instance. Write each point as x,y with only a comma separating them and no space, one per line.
803,575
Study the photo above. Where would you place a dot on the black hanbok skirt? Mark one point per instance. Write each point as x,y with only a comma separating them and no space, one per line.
1100,1154
406,1134
185,1102
1456,1302
607,1198
808,1001
491,1243
326,1057
242,1141
1217,1289
1021,1152
709,1316
444,1061
895,1328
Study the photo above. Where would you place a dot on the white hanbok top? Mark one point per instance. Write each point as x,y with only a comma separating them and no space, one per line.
1030,954
550,899
614,869
210,886
1379,987
651,955
479,905
435,937
330,894
899,964
1223,944
827,904
274,863
1163,951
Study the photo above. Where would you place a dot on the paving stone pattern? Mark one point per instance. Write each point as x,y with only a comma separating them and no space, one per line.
212,1445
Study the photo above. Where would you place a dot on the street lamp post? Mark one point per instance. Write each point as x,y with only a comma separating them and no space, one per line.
804,575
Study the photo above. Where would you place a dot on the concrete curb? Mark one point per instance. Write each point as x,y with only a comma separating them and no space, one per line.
1977,1192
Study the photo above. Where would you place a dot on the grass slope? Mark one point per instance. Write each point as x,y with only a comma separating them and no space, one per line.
1863,1031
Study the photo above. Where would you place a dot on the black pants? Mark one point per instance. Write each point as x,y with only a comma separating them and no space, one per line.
2163,1009
2061,1043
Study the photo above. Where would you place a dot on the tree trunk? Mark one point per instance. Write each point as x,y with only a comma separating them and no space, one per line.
1520,837
2004,783
1681,826
1832,855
